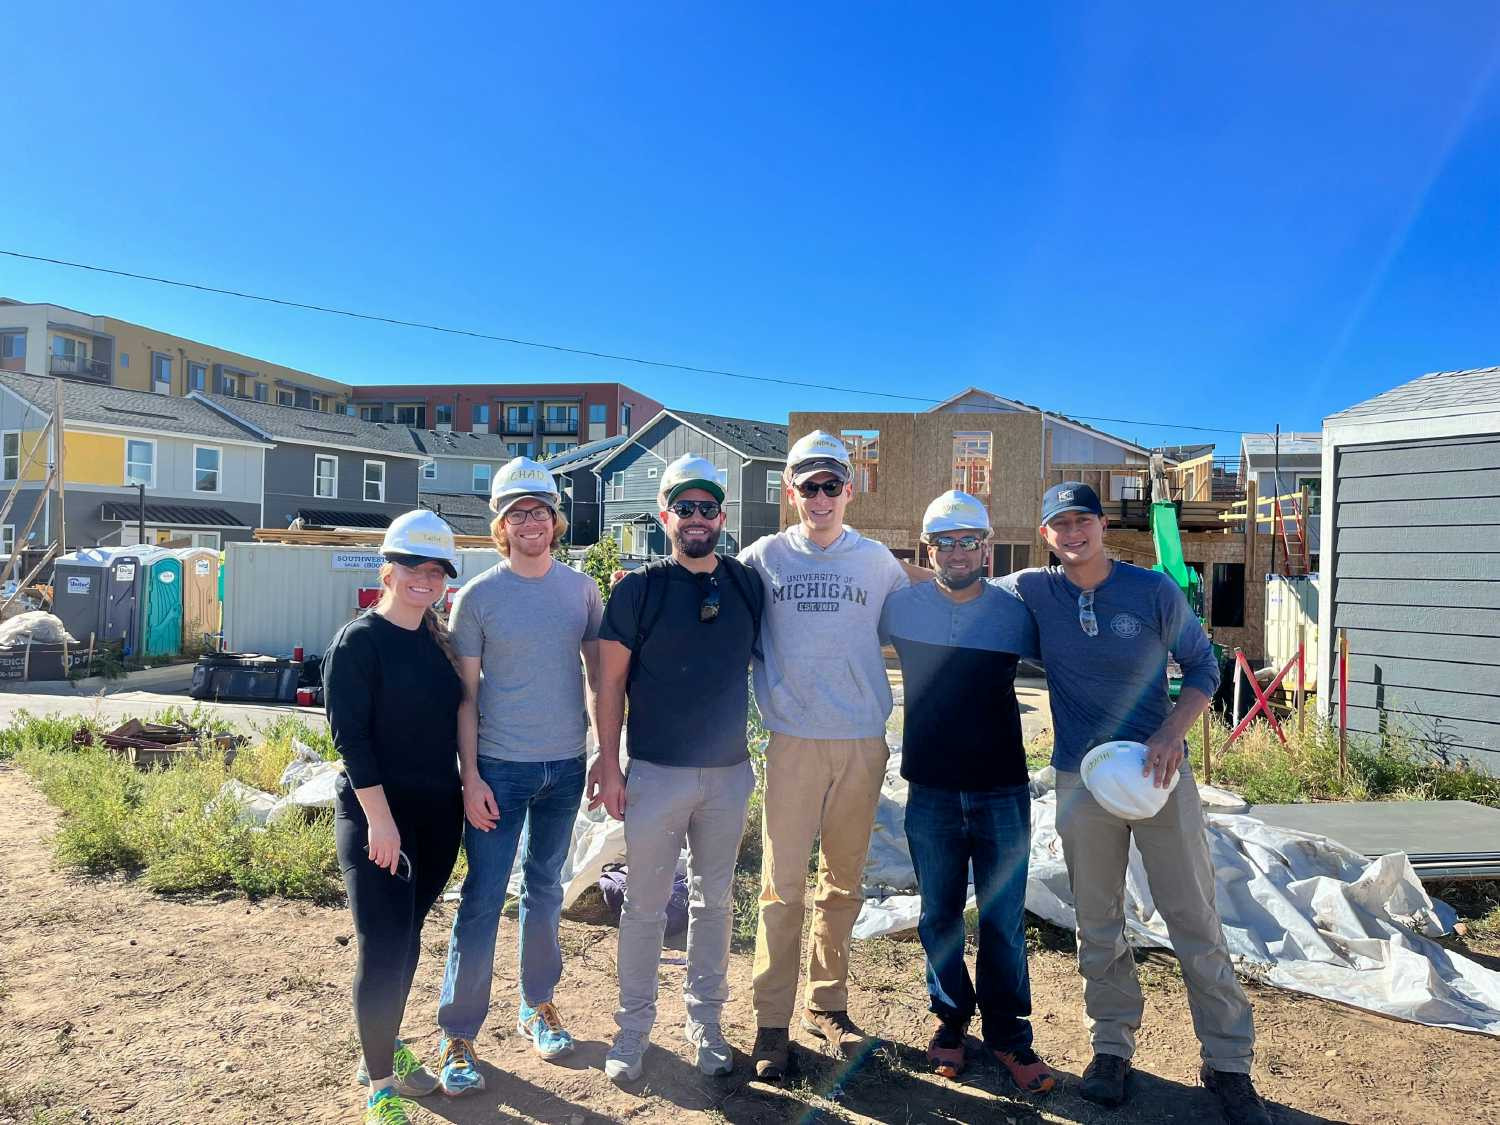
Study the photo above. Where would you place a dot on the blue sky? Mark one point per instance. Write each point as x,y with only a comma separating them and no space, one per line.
1178,214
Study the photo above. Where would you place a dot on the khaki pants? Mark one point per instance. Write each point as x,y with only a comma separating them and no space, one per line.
813,785
1174,850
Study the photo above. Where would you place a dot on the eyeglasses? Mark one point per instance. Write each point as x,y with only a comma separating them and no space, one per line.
517,516
810,488
708,509
403,867
1086,619
946,543
708,608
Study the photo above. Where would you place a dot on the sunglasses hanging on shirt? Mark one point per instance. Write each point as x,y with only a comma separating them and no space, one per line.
1086,619
708,608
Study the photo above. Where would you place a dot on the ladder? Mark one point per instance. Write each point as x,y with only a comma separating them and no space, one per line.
1290,526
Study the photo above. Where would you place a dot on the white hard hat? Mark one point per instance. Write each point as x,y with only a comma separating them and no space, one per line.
817,452
1114,774
692,471
955,511
420,536
521,478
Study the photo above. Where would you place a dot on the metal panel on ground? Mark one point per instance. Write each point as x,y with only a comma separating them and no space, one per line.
279,597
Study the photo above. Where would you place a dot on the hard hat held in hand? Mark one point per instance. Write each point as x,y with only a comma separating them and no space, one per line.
1115,774
420,536
692,471
955,511
521,478
817,452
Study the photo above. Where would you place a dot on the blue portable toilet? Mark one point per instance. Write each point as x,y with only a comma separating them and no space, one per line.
160,604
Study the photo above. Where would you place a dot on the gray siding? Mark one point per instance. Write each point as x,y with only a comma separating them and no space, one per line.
289,483
1416,577
456,475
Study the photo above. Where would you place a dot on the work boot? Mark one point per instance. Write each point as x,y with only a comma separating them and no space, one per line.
1026,1070
837,1030
772,1054
1104,1080
1237,1097
945,1050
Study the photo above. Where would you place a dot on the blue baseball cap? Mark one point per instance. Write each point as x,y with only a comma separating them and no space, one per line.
1069,496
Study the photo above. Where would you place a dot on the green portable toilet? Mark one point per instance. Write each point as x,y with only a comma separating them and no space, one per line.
161,606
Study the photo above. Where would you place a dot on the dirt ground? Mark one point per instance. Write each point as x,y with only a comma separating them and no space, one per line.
118,1005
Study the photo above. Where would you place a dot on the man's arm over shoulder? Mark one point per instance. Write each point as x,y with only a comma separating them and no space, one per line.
622,611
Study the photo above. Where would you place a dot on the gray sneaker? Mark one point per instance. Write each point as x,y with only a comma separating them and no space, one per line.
715,1056
622,1063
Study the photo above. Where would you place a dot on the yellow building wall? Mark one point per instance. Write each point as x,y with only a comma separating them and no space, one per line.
88,458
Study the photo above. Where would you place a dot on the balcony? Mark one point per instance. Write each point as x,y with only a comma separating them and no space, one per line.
78,367
567,426
525,425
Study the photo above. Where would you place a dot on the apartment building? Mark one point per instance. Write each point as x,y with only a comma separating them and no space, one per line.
538,420
43,339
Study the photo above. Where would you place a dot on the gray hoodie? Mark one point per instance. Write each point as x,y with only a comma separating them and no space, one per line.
823,675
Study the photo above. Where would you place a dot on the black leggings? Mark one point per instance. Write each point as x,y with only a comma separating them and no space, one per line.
389,911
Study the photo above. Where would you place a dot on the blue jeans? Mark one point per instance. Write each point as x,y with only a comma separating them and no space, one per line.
946,829
543,798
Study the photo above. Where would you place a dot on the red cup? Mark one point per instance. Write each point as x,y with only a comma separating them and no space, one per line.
297,654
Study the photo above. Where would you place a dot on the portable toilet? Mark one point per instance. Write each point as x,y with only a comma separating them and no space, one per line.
124,582
200,593
78,581
160,610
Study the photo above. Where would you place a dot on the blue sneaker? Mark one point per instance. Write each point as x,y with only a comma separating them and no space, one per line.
458,1069
544,1027
385,1108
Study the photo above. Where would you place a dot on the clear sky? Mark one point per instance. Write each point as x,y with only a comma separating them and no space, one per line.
1182,214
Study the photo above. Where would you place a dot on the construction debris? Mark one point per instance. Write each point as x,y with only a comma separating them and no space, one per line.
34,627
145,745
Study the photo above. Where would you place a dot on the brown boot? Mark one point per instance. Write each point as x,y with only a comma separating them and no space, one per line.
772,1053
837,1030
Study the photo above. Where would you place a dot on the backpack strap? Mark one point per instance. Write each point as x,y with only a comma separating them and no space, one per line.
747,584
652,603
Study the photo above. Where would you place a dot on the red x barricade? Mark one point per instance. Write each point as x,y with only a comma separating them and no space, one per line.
1262,699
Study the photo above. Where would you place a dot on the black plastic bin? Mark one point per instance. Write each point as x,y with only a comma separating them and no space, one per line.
246,677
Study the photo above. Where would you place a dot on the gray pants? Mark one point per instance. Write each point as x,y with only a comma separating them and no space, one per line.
665,806
1174,850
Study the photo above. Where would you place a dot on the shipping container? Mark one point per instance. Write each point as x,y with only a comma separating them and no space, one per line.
1292,605
279,597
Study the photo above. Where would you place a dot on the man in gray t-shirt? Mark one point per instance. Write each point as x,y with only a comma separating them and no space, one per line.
524,633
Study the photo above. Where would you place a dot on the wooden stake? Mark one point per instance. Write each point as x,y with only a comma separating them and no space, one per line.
1301,675
1343,704
1208,750
59,435
1236,716
26,661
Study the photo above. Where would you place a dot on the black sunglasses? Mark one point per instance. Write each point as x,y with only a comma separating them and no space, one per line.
708,608
946,543
708,509
810,488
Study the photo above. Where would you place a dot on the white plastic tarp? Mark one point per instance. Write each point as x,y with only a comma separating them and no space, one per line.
1300,912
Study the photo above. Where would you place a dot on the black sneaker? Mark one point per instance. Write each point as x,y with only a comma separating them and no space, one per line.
1237,1097
1104,1081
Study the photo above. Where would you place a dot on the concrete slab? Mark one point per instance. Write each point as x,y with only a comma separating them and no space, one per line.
1443,839
118,707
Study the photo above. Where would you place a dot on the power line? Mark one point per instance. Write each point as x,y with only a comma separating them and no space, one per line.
564,348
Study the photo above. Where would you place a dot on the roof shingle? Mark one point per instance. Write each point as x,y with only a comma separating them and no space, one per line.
314,427
1440,390
117,406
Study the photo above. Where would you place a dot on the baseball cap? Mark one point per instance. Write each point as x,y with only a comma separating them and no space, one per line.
1069,496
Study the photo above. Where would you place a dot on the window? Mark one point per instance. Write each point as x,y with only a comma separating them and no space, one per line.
124,359
375,481
518,448
556,447
517,418
371,413
562,418
864,458
197,377
10,454
1228,604
1314,486
410,415
1010,557
161,373
317,402
597,414
140,462
346,409
285,398
625,418
479,416
773,486
442,414
12,345
614,488
8,540
207,460
971,461
482,478
65,347
429,470
325,476
206,539
262,392
228,384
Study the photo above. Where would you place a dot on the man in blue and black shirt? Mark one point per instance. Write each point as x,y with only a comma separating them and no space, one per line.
958,639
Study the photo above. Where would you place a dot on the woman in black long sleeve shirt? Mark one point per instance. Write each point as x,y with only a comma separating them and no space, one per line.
392,697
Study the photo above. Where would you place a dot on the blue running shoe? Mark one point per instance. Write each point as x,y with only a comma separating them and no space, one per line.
544,1027
458,1069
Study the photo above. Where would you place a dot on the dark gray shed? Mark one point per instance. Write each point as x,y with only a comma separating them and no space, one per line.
1411,562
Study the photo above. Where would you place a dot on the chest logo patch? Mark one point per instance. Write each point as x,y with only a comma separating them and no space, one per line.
1125,625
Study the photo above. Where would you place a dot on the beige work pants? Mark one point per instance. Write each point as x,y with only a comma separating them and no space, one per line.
827,786
1174,850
